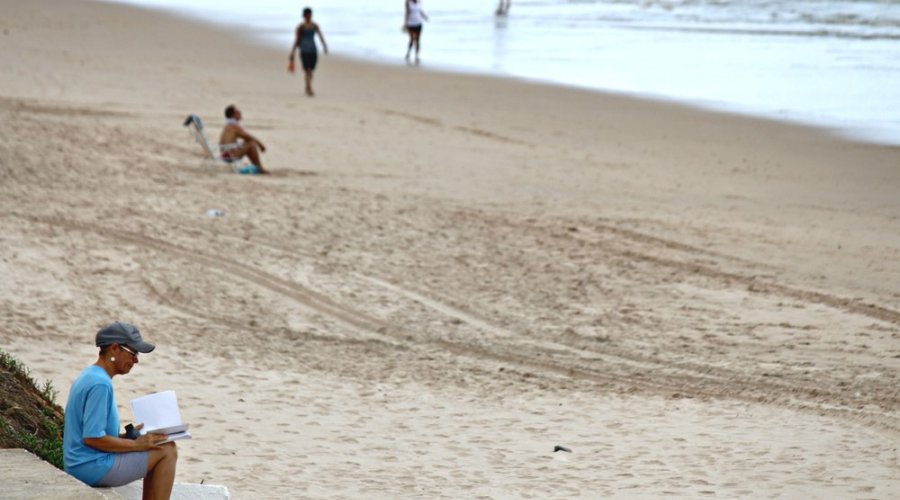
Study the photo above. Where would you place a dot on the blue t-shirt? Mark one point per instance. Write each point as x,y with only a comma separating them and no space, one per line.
90,413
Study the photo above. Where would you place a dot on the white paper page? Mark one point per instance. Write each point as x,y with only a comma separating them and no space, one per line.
178,436
156,411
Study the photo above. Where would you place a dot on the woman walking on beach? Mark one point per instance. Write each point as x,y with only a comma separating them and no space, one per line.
413,25
306,43
94,450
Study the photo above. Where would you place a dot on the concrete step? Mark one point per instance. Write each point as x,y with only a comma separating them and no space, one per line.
25,476
181,491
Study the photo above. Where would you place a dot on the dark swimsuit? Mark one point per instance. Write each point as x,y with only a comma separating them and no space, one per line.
308,52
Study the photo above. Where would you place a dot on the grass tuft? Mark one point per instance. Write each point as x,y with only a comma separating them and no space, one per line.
29,416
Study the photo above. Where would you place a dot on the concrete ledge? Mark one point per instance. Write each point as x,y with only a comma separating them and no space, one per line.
25,476
181,491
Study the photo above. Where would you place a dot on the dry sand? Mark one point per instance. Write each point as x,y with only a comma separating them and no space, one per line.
448,275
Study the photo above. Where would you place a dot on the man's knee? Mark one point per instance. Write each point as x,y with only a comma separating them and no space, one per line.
162,454
168,451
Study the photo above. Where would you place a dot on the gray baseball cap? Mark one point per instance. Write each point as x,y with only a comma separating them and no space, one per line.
123,334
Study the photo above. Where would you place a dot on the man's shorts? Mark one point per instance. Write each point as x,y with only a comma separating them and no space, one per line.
128,467
309,60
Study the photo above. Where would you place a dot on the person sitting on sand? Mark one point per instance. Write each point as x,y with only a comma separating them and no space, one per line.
235,142
93,449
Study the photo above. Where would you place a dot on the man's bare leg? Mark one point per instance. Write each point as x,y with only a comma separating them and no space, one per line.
160,472
253,154
250,149
308,76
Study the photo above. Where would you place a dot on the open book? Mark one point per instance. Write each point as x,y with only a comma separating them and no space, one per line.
160,415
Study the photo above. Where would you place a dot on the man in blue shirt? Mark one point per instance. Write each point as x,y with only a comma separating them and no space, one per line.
90,413
93,450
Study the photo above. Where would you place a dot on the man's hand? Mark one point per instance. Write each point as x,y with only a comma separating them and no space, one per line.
148,441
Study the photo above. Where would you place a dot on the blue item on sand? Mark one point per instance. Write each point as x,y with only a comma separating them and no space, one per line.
249,170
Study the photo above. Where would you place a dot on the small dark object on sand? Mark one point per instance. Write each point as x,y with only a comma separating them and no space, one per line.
561,448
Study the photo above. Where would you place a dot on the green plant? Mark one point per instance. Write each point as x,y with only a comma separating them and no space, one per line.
48,392
29,417
14,365
50,449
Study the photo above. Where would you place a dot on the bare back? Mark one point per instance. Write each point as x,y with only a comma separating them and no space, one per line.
230,134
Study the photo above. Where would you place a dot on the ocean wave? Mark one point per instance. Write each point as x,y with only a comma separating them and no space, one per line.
766,31
856,18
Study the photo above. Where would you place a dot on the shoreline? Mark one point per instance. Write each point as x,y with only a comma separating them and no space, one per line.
857,129
446,276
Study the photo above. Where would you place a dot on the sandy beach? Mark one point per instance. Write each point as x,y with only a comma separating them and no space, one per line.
448,275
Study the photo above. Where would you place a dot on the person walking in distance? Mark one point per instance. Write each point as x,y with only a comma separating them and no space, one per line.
306,43
413,25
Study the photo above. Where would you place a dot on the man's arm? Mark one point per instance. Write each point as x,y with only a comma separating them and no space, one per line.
322,39
243,134
112,444
296,45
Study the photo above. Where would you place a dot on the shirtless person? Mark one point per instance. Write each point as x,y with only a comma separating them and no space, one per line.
235,142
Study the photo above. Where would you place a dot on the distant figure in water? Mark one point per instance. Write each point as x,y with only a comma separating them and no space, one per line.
306,43
503,7
235,142
413,25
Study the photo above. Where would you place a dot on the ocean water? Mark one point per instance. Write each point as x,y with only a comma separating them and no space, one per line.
832,63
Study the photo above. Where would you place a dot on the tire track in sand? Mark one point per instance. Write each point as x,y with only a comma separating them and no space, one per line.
626,377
